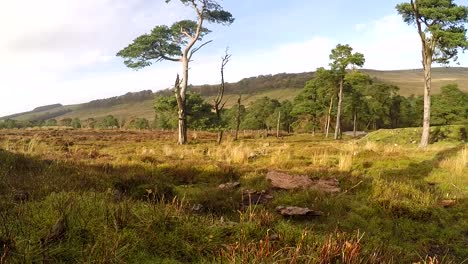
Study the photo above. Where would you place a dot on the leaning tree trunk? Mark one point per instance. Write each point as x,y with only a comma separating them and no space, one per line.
427,101
338,112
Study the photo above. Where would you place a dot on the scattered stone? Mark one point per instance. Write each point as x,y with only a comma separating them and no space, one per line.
197,208
229,185
252,197
285,181
292,211
327,185
447,203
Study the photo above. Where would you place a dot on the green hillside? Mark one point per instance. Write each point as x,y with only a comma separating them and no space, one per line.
280,86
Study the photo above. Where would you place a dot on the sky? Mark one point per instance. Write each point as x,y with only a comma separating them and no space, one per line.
56,51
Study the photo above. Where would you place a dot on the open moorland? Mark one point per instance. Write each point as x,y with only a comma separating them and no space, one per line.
280,86
114,196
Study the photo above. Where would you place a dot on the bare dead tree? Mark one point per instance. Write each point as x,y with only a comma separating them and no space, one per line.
219,102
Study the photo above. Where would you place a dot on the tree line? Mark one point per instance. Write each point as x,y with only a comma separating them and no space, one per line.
441,25
367,105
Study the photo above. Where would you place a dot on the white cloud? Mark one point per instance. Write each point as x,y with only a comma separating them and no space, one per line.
64,51
388,44
45,42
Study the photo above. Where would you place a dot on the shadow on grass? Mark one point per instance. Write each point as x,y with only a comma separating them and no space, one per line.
420,170
29,176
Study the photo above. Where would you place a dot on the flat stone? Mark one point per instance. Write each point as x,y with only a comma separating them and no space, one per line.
286,181
327,185
292,211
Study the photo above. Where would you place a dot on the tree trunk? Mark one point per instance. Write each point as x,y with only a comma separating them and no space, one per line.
427,102
182,107
329,117
338,112
238,121
220,136
278,125
354,123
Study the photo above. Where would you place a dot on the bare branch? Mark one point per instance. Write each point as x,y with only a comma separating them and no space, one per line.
218,101
198,48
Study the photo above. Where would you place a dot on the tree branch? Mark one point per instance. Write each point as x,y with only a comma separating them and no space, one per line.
198,48
185,33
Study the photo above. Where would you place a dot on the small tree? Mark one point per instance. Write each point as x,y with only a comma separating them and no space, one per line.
51,122
76,123
341,58
139,123
176,43
109,122
90,122
441,28
66,122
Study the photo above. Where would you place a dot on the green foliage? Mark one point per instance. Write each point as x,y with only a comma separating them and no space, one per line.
342,57
108,122
163,43
450,106
309,106
259,112
51,122
66,122
139,123
90,122
443,25
166,43
76,123
199,112
211,11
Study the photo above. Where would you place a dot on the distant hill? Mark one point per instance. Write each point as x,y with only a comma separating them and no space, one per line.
283,86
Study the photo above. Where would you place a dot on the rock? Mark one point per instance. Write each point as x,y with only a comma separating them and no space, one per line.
197,208
293,211
285,181
252,197
229,185
447,203
327,185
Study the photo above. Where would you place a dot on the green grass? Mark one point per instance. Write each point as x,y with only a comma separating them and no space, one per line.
128,197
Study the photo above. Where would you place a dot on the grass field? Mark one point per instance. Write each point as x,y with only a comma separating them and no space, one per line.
115,196
409,81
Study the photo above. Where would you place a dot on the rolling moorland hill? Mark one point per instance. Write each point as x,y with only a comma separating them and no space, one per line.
282,86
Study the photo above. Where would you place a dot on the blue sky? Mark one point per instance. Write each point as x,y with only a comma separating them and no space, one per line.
56,51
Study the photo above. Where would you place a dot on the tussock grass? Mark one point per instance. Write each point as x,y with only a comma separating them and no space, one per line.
138,197
457,164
